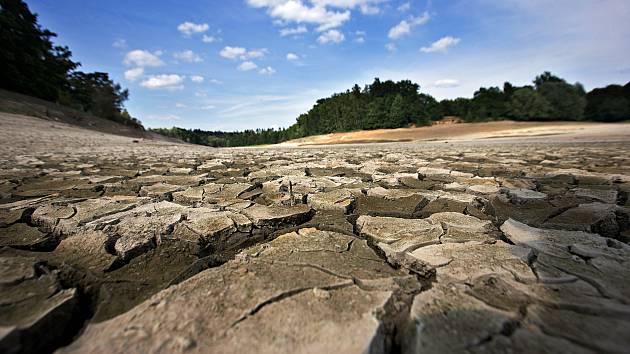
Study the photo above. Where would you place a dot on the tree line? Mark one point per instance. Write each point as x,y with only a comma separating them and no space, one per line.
549,98
229,139
31,64
389,104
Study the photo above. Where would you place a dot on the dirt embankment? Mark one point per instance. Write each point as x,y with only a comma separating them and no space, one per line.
11,102
475,131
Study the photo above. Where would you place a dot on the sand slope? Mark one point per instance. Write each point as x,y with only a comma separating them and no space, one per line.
476,131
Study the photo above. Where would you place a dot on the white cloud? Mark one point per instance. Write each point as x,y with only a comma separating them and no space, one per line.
143,58
267,71
255,54
325,14
331,36
215,81
367,7
247,66
180,105
292,57
401,29
242,53
190,28
297,11
120,43
441,45
405,26
421,20
232,52
165,81
210,39
207,107
293,31
188,56
404,7
197,78
391,47
446,83
134,74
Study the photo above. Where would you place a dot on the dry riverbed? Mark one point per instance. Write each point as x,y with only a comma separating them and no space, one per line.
115,245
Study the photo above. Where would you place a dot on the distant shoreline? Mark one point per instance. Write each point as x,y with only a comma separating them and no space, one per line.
479,131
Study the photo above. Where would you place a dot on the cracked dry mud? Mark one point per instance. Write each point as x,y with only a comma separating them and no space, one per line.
113,246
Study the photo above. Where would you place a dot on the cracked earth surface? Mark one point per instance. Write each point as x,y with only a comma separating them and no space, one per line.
110,245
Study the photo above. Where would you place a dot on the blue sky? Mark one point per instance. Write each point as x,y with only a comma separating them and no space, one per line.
242,64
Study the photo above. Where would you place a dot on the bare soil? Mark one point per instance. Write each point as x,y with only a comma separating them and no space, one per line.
475,131
516,241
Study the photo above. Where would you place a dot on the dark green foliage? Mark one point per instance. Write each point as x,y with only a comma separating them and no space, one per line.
31,64
398,112
508,90
225,139
487,104
455,108
552,98
566,101
545,78
386,104
428,109
608,104
97,93
378,114
527,104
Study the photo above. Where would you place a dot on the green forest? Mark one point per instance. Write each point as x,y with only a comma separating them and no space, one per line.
388,104
32,65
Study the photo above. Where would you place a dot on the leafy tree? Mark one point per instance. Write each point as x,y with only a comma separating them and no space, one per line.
30,63
458,107
567,101
487,103
98,94
614,109
398,113
527,104
508,90
426,109
377,114
609,104
545,78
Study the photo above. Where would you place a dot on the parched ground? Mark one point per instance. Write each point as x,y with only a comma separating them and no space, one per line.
115,245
